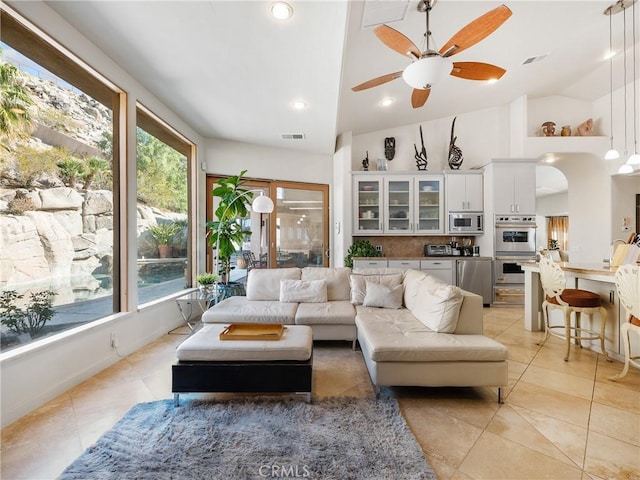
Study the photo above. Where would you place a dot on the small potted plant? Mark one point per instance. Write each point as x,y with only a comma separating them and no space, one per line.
360,248
163,234
207,282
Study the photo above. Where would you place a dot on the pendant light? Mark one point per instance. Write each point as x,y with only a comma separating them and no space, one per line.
625,167
612,154
635,158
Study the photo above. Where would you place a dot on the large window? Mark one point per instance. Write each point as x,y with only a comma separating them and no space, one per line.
64,260
162,212
59,221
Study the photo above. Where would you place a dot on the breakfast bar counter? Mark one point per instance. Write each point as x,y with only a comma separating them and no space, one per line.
595,277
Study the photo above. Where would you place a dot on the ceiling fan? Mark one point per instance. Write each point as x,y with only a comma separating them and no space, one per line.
430,66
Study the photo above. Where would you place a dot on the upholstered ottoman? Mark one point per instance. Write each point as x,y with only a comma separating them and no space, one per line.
208,364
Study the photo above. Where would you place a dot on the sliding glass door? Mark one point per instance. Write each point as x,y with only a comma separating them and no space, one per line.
300,231
296,234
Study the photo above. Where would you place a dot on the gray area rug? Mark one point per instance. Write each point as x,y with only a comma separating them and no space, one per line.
261,437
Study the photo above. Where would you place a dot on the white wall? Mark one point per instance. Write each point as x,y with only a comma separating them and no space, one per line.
623,207
226,157
32,375
342,214
482,135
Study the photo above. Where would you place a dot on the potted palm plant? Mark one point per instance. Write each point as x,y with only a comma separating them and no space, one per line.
163,234
226,232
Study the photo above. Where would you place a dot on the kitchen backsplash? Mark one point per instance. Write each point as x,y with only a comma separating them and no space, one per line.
414,246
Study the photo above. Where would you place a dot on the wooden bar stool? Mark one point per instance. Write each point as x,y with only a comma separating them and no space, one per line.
628,286
569,300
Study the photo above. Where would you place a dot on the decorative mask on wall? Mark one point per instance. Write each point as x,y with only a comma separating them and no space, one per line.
455,154
389,148
421,158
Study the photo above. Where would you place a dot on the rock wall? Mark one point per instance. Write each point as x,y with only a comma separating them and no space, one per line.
68,236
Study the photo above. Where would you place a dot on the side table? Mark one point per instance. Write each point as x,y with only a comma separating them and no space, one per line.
193,305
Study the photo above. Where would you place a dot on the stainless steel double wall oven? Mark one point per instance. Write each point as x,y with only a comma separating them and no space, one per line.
515,242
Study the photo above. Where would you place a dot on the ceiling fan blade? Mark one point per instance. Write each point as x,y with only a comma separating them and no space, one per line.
475,31
374,82
477,71
397,41
419,97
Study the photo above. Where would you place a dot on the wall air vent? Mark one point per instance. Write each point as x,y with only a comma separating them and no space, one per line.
537,58
376,12
293,136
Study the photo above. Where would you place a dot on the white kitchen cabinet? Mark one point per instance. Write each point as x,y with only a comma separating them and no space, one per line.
368,206
464,192
429,205
398,217
404,264
398,204
514,188
361,263
441,269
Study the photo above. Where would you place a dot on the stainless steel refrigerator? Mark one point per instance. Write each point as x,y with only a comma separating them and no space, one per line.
474,275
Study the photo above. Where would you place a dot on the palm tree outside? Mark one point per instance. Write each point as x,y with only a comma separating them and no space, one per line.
15,105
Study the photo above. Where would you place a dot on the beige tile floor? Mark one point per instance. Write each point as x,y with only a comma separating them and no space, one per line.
559,421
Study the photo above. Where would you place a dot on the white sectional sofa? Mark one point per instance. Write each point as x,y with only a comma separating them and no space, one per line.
413,329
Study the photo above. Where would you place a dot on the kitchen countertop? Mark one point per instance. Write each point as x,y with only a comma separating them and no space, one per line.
434,257
582,268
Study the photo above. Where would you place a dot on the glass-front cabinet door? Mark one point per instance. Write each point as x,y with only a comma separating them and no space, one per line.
368,204
398,217
429,205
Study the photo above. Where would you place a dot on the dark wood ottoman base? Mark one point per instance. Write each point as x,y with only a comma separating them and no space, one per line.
267,376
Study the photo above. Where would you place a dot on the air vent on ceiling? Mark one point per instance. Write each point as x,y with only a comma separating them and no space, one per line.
537,58
376,12
293,136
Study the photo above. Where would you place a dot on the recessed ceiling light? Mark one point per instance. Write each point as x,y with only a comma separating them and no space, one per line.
281,10
492,80
387,101
299,105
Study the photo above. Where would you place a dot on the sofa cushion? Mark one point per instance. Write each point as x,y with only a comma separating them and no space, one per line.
359,285
433,302
303,291
264,283
378,295
337,280
242,310
396,336
340,312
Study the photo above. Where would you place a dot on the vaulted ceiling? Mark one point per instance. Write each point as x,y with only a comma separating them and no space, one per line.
232,71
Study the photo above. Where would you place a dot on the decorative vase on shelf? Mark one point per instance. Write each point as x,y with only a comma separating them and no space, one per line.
549,129
566,131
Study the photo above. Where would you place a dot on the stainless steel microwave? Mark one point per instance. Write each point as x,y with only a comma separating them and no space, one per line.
469,223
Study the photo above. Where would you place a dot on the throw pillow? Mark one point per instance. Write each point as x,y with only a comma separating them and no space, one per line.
303,291
381,296
264,283
435,303
359,286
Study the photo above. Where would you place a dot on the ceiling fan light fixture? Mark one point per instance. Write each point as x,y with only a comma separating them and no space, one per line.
427,71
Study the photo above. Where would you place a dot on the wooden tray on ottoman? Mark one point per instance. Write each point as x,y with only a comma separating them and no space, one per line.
252,331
